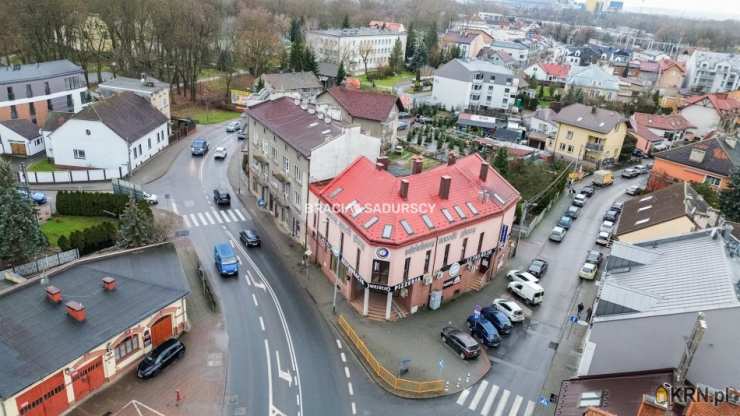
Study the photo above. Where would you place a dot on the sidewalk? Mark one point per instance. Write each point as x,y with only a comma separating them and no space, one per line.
200,377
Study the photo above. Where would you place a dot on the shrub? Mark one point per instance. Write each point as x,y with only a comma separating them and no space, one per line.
92,204
63,243
91,239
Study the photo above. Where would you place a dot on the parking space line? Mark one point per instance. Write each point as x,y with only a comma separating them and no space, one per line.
478,395
215,214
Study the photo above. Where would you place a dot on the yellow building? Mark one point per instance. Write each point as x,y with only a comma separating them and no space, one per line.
588,134
593,6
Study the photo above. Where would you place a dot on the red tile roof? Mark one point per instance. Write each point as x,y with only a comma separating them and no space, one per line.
720,101
649,66
667,64
364,104
556,70
670,122
369,187
703,408
379,24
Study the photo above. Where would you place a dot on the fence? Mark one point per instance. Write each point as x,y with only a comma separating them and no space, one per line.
205,286
47,262
74,176
400,385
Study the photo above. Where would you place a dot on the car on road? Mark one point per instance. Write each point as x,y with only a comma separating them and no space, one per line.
160,357
233,126
611,215
221,197
199,147
588,190
513,311
225,260
594,257
607,226
532,293
618,206
573,211
250,238
603,238
484,331
634,190
565,222
462,343
219,153
579,200
520,276
557,234
641,169
498,319
587,271
538,267
630,173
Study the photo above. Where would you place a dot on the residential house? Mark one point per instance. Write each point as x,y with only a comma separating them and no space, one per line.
154,90
588,134
631,88
93,322
390,263
20,138
392,26
305,84
468,42
583,56
670,77
711,112
543,121
292,144
496,57
462,84
709,161
652,294
671,211
518,52
54,120
594,81
649,71
355,46
548,72
328,74
629,69
122,130
651,55
710,72
652,130
31,91
376,113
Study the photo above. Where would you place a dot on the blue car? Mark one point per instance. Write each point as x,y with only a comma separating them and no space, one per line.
225,259
483,330
199,147
498,319
37,197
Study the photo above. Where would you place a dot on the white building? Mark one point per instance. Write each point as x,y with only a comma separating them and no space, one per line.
155,91
20,138
121,131
461,84
709,72
519,52
350,45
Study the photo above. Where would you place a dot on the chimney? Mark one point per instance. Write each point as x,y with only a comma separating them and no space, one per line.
379,166
697,155
444,186
385,161
404,188
483,171
109,284
53,294
76,310
416,165
451,158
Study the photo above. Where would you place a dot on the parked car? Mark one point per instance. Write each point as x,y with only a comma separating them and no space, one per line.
520,276
484,331
618,206
587,271
538,267
159,358
403,114
594,257
579,200
634,190
513,311
557,234
532,293
233,126
565,222
250,238
423,119
603,238
242,135
638,153
588,190
573,211
630,173
463,344
498,319
199,147
603,177
37,197
221,197
219,153
611,215
151,199
225,260
606,226
641,169
403,125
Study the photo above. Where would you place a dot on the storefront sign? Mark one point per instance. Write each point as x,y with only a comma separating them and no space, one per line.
451,282
419,247
402,285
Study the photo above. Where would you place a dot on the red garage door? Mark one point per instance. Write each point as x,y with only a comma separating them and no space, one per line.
88,378
161,330
47,399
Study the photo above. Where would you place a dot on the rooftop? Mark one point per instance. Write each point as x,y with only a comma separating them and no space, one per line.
289,81
127,114
671,122
589,118
41,70
463,69
469,200
507,45
718,155
146,85
593,76
55,119
556,70
393,26
354,32
720,101
459,37
22,127
369,105
37,337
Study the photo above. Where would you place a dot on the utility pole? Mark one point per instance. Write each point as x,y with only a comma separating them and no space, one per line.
337,254
697,333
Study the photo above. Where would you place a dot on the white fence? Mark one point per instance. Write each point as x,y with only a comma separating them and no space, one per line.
72,176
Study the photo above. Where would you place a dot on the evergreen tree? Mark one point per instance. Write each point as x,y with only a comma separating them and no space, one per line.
136,227
260,84
309,61
345,22
729,199
395,61
295,33
22,238
501,161
341,73
410,42
419,59
430,39
296,56
579,96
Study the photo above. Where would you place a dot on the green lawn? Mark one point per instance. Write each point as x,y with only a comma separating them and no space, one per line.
386,83
42,165
212,116
64,225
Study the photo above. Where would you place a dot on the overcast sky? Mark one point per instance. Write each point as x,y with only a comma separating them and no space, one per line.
714,8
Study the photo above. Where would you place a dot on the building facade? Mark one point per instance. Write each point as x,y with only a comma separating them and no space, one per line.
518,52
653,130
154,90
469,42
709,161
594,81
708,72
588,134
462,84
20,138
711,112
351,45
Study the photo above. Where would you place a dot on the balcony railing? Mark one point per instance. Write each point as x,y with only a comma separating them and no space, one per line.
594,147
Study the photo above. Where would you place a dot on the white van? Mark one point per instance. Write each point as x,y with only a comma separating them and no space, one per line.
530,292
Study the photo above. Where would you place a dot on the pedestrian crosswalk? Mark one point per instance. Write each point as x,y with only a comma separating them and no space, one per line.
213,217
484,400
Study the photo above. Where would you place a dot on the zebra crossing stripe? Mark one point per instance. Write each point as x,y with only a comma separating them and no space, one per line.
233,217
208,215
194,219
489,401
530,408
218,218
239,214
515,407
187,221
202,218
478,395
463,395
226,217
502,404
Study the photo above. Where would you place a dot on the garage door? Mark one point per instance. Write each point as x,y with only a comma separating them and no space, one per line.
47,399
88,378
161,330
18,149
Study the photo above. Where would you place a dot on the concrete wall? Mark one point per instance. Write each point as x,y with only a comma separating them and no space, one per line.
334,156
451,93
705,119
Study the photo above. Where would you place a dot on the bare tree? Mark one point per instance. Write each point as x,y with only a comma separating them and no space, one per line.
364,50
257,43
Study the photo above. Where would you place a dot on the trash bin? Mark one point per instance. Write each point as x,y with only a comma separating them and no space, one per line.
435,300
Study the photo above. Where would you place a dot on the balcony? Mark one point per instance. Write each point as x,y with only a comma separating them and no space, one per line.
595,147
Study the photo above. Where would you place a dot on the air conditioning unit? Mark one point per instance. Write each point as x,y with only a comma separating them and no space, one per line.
428,279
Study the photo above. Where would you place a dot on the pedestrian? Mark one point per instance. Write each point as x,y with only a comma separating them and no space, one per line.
580,309
588,314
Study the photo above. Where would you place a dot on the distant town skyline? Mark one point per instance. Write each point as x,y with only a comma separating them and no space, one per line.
714,9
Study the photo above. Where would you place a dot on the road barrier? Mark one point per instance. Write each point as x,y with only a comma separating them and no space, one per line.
400,385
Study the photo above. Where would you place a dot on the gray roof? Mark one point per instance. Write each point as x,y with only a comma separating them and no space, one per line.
655,208
507,45
151,85
127,114
691,272
328,69
37,337
290,81
463,69
358,31
55,119
593,76
41,70
23,128
579,115
545,114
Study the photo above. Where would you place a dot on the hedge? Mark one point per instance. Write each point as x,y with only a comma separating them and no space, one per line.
92,204
90,239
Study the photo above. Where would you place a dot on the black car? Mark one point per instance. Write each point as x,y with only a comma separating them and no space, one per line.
573,211
484,331
594,257
250,238
611,215
160,357
242,135
462,343
498,319
221,197
588,191
537,267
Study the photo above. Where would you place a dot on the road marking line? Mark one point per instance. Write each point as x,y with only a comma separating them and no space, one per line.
489,401
194,219
210,220
346,371
262,324
285,375
174,207
215,215
248,277
502,404
202,218
515,407
254,298
226,217
297,400
530,408
478,395
187,221
339,344
354,408
344,357
269,372
239,214
463,395
351,390
233,217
